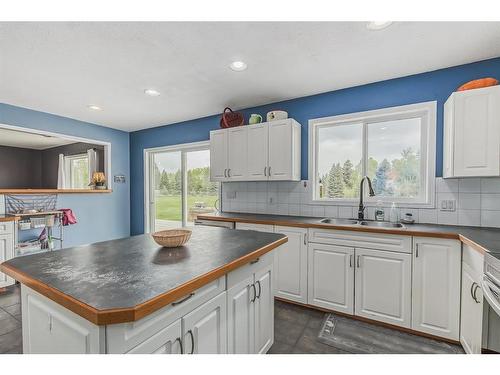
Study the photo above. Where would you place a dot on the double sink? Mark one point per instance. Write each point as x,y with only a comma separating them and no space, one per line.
367,223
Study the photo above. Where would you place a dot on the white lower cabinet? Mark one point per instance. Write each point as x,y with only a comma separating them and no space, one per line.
331,277
250,317
471,312
436,287
264,310
6,249
257,227
290,265
167,341
204,329
383,286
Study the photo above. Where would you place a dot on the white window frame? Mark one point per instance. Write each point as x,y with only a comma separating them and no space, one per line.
68,170
149,189
426,111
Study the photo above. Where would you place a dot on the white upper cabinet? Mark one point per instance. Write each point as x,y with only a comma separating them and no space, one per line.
266,151
436,287
257,150
237,153
218,155
472,133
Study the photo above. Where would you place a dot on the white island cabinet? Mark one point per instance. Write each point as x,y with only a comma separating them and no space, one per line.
238,306
7,245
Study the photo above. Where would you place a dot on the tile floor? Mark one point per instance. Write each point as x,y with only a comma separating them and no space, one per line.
295,328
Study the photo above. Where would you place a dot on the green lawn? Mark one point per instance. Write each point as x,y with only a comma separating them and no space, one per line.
169,207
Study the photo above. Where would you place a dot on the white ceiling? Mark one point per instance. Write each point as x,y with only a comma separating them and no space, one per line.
61,68
14,138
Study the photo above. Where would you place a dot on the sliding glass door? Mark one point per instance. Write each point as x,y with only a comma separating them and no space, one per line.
179,186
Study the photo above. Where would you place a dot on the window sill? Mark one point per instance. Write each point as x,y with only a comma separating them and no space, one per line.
53,191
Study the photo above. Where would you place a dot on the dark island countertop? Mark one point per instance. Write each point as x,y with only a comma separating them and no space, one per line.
124,280
480,238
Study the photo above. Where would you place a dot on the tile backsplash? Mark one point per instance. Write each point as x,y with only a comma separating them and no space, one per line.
476,201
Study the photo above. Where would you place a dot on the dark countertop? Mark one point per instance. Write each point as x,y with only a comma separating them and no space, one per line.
128,273
483,239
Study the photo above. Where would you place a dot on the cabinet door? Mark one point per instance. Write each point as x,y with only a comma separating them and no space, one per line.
471,321
477,132
237,153
264,310
436,287
240,318
257,151
383,286
218,155
290,265
6,253
204,329
167,341
331,277
257,227
280,150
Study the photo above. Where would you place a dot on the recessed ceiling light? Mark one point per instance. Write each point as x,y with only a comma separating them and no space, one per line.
238,66
94,107
378,25
151,92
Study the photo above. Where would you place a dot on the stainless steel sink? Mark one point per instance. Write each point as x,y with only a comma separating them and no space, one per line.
339,221
381,224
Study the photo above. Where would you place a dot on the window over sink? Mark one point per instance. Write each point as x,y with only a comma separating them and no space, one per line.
394,146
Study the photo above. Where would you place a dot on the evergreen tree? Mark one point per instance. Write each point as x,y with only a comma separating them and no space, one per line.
381,176
335,188
164,180
347,173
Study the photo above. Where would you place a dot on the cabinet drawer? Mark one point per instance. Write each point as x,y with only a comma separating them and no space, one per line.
378,241
123,337
474,259
240,274
7,227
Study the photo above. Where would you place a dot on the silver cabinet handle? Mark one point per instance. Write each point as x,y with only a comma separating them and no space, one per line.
350,261
305,239
416,250
180,344
265,171
192,341
269,171
254,293
229,172
357,260
260,289
182,300
225,172
475,291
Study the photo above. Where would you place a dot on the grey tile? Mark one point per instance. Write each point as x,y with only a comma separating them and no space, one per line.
288,332
9,324
3,314
9,299
14,309
309,343
280,348
16,350
10,341
291,313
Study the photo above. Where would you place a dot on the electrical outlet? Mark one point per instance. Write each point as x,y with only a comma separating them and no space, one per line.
448,205
119,178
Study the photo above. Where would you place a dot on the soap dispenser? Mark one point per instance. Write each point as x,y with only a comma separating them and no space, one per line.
394,213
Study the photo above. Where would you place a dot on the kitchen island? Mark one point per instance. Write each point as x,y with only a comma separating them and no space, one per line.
213,295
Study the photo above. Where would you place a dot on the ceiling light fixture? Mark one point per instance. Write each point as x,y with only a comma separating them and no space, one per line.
94,107
378,25
151,92
238,66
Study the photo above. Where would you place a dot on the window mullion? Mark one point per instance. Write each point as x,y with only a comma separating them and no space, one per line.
365,153
184,187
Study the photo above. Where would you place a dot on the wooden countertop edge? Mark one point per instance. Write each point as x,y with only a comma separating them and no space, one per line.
124,315
407,232
9,218
54,191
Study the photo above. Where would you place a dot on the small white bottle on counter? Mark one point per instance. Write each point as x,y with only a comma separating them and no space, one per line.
379,211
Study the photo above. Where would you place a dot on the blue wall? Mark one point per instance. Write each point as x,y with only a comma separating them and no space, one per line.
100,216
436,85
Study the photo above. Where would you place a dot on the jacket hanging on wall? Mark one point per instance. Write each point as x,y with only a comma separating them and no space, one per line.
68,216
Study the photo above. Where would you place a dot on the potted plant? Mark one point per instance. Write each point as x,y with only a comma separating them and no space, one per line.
99,181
